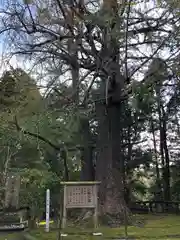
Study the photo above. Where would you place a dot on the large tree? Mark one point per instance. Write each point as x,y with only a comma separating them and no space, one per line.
101,45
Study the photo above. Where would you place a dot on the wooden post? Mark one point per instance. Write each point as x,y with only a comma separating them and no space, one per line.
64,217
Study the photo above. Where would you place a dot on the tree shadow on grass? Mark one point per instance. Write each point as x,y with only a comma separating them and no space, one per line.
159,237
173,236
168,226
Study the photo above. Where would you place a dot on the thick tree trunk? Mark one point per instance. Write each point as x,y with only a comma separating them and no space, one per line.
109,168
110,163
102,160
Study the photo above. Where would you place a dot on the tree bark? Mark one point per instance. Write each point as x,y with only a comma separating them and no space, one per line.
110,164
102,150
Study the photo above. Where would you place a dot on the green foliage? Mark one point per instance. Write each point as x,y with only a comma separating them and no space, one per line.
139,189
19,96
39,164
33,189
143,98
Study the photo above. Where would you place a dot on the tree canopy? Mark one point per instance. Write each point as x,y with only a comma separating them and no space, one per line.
110,106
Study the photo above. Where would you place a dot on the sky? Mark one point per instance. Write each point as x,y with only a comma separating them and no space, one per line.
16,62
141,5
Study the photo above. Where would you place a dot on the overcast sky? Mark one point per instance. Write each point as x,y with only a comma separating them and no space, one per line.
143,6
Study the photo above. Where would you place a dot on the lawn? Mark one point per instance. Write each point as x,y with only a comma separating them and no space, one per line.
156,227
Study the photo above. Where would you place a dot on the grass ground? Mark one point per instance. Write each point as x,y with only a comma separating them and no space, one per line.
156,227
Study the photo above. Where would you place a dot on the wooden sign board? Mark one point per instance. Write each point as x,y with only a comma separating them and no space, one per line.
80,195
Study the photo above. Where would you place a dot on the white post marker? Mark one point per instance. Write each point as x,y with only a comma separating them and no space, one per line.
47,209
